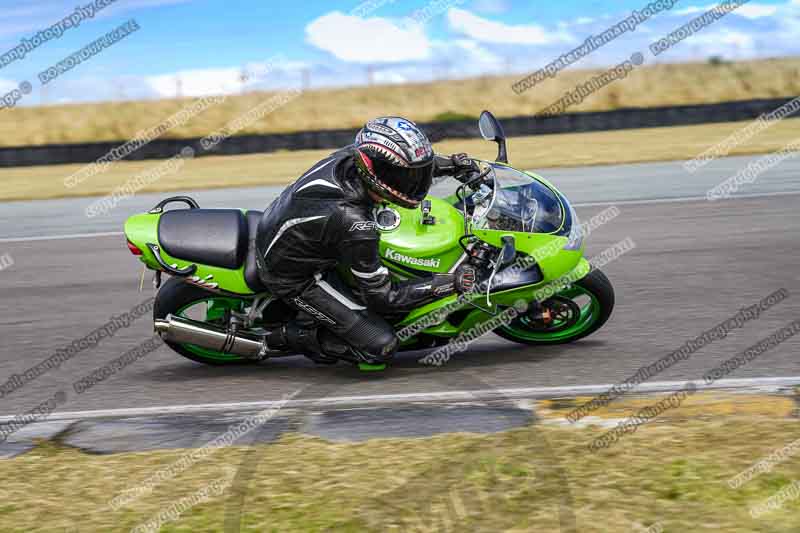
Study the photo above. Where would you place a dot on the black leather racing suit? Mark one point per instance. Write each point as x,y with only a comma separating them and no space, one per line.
322,221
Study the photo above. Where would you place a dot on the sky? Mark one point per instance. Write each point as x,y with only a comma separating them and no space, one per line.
201,47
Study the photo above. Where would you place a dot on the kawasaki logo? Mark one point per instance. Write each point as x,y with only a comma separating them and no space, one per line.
400,258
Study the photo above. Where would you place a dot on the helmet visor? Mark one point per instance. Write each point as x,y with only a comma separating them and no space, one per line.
412,183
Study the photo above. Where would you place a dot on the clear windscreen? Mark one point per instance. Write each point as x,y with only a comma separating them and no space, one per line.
509,200
445,187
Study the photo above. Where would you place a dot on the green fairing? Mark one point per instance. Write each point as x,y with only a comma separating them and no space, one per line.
499,300
143,229
412,238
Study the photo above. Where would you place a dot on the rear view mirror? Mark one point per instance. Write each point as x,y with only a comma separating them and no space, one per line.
489,127
491,130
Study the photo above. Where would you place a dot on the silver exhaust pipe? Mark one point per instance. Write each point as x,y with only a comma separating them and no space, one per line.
185,331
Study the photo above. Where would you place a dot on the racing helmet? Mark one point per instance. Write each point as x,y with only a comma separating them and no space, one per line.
395,160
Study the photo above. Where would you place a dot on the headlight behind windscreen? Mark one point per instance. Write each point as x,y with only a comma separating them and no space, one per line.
576,231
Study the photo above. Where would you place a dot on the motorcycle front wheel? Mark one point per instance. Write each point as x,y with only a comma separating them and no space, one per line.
574,313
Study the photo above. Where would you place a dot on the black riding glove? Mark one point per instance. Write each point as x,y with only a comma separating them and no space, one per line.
462,162
456,165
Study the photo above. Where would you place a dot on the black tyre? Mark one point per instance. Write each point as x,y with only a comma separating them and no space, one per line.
580,320
176,297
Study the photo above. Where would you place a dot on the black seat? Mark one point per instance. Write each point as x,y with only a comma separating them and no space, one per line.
216,237
250,266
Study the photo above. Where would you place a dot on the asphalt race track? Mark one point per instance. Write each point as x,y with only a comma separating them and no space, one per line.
695,264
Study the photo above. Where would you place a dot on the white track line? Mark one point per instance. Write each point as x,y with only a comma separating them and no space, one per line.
584,204
63,237
688,199
743,385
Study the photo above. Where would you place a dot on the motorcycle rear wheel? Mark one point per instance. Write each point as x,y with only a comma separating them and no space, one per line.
179,298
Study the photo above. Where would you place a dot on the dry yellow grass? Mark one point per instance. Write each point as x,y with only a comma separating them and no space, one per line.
626,146
350,107
671,472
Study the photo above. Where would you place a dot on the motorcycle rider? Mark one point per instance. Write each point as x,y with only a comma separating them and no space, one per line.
324,220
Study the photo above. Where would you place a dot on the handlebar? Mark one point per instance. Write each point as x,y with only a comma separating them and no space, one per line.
476,178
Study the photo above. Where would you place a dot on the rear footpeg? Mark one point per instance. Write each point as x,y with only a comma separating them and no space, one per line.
181,330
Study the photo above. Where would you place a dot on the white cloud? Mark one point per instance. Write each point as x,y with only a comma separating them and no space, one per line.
467,54
457,58
750,11
492,6
200,82
754,11
476,53
275,72
584,20
390,76
371,40
7,86
489,31
691,10
723,42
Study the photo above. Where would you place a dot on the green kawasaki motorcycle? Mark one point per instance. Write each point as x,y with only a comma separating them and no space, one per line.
515,225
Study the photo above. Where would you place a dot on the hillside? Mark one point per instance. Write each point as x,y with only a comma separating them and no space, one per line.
349,107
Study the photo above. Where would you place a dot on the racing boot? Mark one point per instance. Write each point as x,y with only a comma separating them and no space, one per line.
301,337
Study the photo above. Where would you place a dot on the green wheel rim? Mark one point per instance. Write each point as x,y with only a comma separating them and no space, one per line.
216,307
589,314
